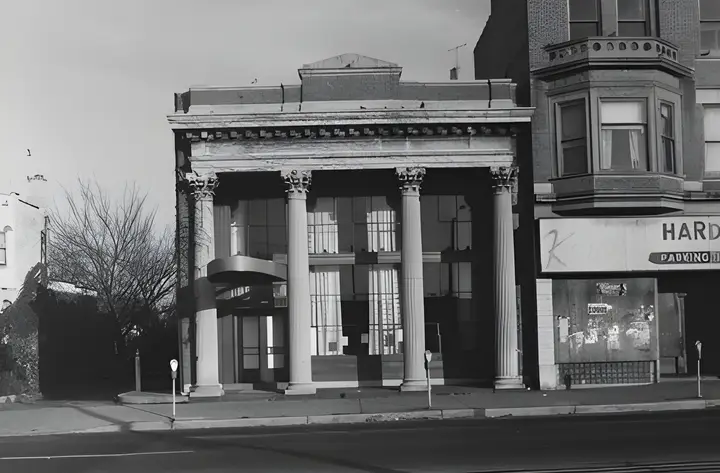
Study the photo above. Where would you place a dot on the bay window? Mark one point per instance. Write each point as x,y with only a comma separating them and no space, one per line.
710,27
572,138
623,136
712,140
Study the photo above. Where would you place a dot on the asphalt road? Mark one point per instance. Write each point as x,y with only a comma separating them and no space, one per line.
431,446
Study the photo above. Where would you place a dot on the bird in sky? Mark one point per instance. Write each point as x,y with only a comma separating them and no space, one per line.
29,152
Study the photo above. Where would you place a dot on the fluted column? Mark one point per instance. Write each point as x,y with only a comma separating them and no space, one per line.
411,290
208,375
298,278
507,375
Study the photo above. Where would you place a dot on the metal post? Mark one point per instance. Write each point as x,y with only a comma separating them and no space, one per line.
138,387
173,375
428,357
698,345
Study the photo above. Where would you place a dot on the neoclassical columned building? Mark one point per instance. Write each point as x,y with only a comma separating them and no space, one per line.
334,230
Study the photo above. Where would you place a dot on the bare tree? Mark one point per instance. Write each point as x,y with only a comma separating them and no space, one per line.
114,250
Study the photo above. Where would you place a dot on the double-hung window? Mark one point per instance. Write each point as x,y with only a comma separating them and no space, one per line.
624,136
584,18
666,127
712,140
610,18
633,18
572,138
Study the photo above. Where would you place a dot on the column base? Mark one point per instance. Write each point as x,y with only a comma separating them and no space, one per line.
300,389
413,385
208,390
509,383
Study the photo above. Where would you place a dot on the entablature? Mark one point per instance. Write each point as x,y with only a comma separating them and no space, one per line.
328,147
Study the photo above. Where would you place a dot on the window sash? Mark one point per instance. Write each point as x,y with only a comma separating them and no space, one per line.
668,132
712,156
709,10
2,240
584,19
668,161
642,17
623,112
606,156
712,123
3,256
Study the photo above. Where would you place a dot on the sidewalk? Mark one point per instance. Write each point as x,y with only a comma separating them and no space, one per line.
336,406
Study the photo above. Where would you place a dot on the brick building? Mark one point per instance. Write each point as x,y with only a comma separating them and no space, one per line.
625,153
309,259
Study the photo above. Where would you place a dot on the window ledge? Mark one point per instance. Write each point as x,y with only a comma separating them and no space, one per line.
650,193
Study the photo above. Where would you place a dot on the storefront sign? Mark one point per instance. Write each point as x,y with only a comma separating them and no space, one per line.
584,245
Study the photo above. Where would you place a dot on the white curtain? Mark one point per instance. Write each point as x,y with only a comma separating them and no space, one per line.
325,307
606,155
386,333
323,227
381,226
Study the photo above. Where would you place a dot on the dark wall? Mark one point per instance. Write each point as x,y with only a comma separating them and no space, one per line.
507,26
184,241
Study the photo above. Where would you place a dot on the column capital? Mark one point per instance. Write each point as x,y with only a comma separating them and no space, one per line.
297,182
410,178
202,186
505,179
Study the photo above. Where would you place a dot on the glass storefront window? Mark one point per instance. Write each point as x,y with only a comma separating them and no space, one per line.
600,320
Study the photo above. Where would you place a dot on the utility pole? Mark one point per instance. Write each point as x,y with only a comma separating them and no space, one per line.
455,71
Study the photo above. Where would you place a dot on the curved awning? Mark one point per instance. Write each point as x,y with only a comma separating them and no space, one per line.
241,270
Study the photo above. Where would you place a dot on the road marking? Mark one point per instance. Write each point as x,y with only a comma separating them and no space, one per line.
98,455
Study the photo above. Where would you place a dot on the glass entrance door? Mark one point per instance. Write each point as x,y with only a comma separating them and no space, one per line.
250,349
262,347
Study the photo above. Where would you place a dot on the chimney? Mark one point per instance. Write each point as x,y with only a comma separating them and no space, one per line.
454,73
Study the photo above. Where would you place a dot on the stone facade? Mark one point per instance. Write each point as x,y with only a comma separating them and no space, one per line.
334,199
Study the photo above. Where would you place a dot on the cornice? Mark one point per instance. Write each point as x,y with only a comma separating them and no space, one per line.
345,132
428,118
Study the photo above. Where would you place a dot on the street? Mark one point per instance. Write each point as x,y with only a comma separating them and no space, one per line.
433,446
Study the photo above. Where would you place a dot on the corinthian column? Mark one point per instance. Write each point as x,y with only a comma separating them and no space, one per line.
298,271
412,292
507,374
208,377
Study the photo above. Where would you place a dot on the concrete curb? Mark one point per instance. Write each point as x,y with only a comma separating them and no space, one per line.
438,414
192,424
685,405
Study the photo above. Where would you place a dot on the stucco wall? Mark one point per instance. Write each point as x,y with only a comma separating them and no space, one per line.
23,224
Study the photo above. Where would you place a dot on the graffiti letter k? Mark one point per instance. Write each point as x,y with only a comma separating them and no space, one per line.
551,252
